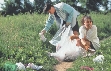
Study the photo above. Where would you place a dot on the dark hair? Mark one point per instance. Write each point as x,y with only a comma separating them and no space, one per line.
85,18
47,7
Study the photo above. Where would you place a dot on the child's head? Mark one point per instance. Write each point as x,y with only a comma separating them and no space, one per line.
87,21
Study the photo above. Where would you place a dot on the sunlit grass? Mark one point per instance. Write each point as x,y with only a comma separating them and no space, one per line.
20,42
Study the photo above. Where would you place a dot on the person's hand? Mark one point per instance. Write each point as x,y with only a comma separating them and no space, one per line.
42,37
67,24
90,25
78,42
72,37
43,32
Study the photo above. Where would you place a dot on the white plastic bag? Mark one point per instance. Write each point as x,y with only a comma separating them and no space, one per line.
20,66
69,51
66,48
98,59
42,37
34,67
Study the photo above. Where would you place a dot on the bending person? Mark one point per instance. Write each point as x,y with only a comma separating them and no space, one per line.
63,14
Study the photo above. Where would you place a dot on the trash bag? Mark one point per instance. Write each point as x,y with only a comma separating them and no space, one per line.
69,51
66,49
42,37
87,68
98,59
10,66
20,66
34,67
63,31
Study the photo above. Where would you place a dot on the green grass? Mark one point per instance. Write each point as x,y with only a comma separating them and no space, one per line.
20,42
105,49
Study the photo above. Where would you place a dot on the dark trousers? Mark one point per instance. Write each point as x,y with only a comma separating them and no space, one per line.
75,28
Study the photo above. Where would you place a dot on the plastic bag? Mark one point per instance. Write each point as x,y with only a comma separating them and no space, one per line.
98,59
63,31
10,67
69,51
33,66
42,37
66,49
20,66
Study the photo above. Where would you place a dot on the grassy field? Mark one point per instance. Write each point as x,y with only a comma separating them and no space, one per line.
88,61
20,42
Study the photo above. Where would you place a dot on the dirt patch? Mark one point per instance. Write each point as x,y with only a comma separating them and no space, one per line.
63,66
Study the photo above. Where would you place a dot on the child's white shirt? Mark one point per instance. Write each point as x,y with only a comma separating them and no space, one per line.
91,35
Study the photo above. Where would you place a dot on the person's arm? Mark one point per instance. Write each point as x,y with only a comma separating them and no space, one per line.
49,22
93,32
75,36
82,35
83,41
70,10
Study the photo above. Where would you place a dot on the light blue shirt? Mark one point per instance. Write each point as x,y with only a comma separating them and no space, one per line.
65,12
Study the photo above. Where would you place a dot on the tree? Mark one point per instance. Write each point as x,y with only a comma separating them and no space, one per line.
70,2
28,6
105,3
11,7
94,5
74,3
91,5
7,7
39,5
